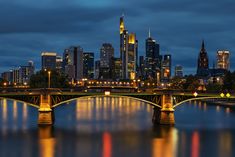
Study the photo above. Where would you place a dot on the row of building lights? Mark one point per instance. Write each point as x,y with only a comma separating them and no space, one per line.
133,82
14,84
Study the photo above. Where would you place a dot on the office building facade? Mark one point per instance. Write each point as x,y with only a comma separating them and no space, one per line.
153,58
178,71
223,59
48,60
166,68
128,52
73,63
88,65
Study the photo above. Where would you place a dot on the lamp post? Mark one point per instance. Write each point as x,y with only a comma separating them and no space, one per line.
49,79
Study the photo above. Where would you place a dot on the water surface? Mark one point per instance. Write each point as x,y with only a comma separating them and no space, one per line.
106,127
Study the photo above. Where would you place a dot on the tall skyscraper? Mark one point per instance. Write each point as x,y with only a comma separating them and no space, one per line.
106,53
153,58
203,62
132,56
178,71
73,62
223,58
88,65
123,47
48,60
128,52
166,68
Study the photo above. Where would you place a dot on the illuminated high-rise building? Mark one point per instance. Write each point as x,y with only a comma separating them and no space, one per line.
128,52
132,57
123,47
153,58
25,72
223,60
88,65
48,60
203,62
106,54
166,68
73,62
116,68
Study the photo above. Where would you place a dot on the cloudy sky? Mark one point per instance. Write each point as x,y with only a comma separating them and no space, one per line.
29,27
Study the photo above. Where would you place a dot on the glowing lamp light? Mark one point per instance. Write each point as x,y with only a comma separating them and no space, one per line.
195,94
222,95
228,95
107,93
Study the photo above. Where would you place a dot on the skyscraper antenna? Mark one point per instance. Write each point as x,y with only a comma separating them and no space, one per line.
203,44
149,33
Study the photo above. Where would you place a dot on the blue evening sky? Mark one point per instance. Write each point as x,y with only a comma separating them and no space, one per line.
29,27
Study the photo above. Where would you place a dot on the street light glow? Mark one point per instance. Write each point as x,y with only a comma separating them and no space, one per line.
228,95
222,95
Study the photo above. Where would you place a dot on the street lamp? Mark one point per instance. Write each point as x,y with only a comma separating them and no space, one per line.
195,94
228,95
222,95
5,84
49,79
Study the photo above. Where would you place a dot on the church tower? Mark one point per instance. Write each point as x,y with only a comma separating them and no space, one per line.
202,62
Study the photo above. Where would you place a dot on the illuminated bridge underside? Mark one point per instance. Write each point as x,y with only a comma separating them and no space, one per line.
153,100
32,100
195,98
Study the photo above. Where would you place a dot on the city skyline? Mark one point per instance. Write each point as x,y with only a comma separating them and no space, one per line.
55,28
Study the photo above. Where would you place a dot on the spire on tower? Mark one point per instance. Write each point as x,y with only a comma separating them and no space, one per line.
149,33
203,44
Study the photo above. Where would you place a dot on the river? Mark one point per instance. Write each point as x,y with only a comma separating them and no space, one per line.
116,127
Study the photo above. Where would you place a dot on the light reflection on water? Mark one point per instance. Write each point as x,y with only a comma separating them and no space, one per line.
116,127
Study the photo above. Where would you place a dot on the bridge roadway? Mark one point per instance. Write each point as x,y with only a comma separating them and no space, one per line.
164,102
32,96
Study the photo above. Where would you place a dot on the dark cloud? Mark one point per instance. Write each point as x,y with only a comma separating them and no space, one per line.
28,28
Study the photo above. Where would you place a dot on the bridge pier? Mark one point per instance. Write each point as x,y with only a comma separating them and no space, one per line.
45,112
165,115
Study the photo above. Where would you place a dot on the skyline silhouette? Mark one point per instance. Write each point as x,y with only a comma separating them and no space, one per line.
29,28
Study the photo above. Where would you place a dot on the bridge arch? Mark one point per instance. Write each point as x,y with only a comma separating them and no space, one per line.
198,98
20,101
113,96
